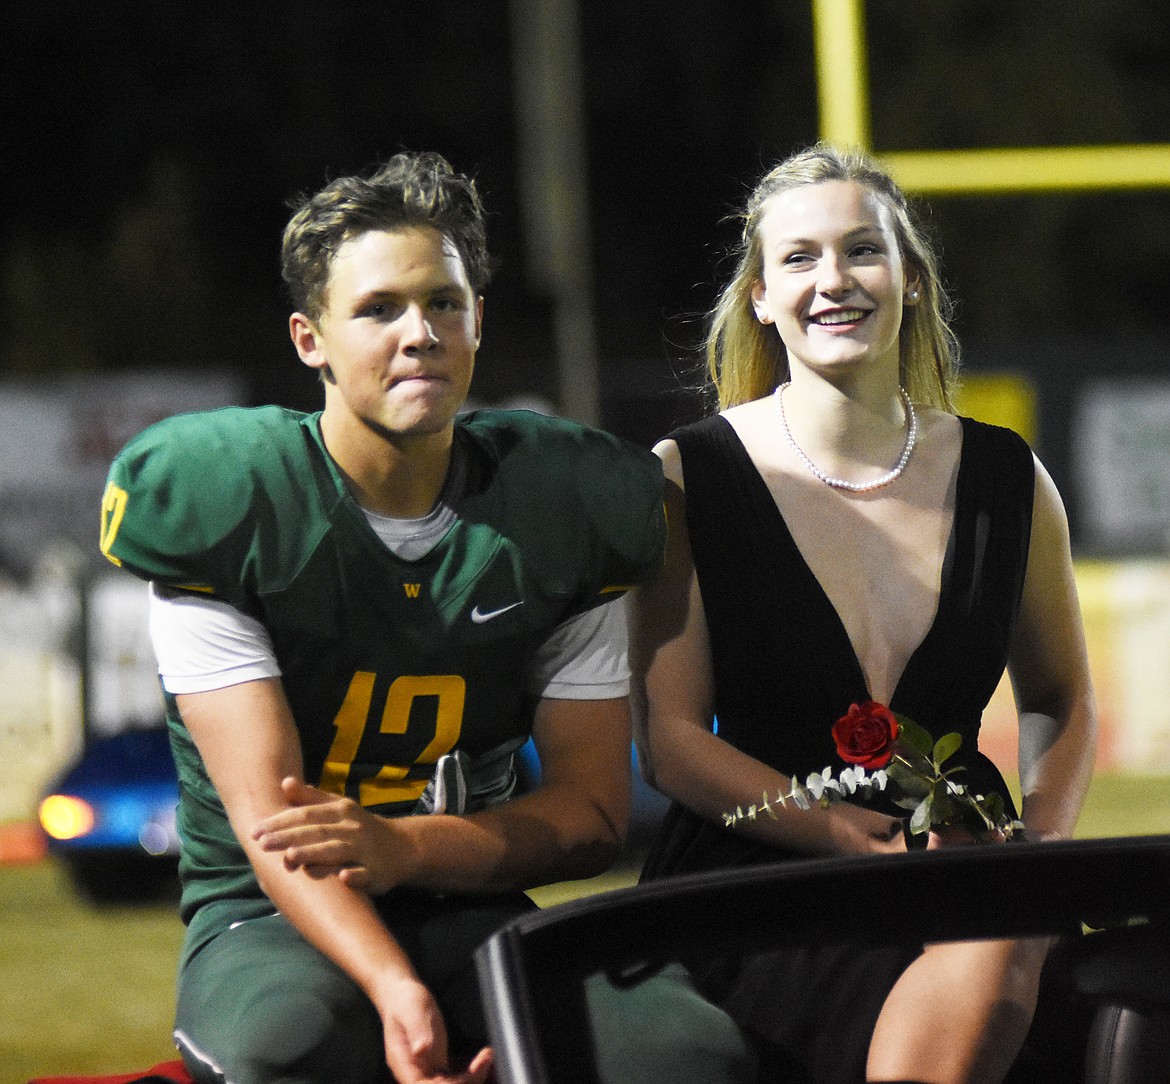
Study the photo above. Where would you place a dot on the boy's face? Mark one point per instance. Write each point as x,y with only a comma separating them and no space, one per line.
398,335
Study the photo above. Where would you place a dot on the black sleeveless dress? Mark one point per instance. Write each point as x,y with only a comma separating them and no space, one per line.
784,670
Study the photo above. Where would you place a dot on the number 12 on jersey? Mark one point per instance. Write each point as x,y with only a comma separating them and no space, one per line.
448,692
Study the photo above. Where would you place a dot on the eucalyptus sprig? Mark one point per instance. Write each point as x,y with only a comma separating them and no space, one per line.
821,789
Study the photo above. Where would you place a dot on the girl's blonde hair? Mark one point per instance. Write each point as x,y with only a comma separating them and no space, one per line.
746,360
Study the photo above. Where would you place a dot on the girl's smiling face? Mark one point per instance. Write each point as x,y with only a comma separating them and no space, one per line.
834,282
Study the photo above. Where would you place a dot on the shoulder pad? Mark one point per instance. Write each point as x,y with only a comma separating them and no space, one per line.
187,498
600,495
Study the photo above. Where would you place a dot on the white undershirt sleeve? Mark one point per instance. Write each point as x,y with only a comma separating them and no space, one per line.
203,644
585,658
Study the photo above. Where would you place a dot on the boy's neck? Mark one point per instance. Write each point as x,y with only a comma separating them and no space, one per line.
396,476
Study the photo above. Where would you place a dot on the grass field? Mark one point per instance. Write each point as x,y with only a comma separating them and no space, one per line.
91,991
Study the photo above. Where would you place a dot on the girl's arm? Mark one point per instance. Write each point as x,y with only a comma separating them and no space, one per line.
672,698
1049,668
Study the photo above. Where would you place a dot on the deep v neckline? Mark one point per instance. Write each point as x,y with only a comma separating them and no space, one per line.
762,496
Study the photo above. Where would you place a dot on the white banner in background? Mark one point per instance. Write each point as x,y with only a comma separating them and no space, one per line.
1121,461
56,442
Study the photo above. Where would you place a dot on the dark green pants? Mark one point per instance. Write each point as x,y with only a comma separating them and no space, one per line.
259,1005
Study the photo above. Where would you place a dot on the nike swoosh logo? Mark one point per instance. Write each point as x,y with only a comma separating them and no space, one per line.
480,616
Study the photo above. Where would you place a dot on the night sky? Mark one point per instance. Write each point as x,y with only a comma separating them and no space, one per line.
150,149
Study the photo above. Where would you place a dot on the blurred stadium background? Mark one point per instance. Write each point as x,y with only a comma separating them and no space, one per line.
150,150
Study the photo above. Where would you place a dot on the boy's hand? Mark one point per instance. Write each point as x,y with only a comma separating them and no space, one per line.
326,835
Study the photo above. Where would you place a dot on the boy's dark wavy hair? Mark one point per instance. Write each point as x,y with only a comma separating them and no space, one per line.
411,189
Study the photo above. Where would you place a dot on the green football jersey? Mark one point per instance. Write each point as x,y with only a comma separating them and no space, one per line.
387,663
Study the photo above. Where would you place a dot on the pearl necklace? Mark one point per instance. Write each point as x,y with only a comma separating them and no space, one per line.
840,483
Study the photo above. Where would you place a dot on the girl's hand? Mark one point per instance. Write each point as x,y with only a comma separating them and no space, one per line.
955,835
